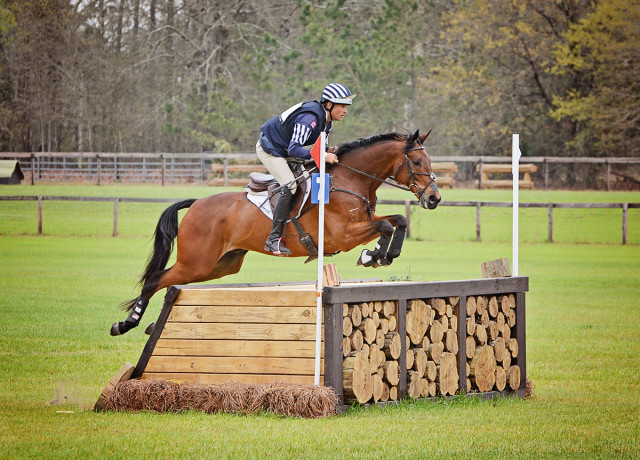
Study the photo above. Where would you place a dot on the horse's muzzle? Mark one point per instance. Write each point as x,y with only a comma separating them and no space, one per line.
431,202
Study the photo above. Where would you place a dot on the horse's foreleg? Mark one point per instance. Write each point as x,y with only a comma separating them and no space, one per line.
398,238
377,257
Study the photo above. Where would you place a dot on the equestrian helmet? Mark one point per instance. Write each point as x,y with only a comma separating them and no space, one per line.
338,94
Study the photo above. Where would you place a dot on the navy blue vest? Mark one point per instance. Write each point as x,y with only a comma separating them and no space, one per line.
275,134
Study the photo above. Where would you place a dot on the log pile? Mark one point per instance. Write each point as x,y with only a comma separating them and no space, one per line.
371,348
432,347
491,349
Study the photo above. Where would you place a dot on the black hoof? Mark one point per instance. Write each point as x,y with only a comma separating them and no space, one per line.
115,329
150,328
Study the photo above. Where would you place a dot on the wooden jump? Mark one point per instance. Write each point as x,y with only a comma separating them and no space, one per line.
487,172
264,333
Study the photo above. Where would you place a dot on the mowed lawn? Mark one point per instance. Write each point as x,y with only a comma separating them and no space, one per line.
60,294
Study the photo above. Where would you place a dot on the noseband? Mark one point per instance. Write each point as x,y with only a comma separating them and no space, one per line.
412,181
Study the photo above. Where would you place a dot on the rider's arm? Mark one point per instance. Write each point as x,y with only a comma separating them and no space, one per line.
305,122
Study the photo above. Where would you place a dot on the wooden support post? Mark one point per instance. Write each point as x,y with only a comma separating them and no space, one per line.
481,174
225,171
115,216
33,169
521,360
407,211
550,227
625,220
608,175
402,330
478,207
546,173
39,214
333,348
462,344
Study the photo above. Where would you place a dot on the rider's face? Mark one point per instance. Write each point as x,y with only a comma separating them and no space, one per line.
339,111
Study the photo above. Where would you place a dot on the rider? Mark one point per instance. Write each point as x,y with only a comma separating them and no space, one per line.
285,135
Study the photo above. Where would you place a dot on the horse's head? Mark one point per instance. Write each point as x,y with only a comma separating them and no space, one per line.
414,171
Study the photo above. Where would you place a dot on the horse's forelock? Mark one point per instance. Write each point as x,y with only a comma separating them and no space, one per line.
367,141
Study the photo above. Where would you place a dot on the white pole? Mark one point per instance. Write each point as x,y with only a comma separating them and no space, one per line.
515,171
322,167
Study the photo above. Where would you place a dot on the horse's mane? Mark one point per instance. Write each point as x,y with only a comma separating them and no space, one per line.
366,141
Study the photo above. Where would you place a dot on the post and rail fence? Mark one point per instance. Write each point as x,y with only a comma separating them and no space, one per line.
166,168
406,203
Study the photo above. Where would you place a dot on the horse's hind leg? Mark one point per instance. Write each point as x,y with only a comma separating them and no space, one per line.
228,264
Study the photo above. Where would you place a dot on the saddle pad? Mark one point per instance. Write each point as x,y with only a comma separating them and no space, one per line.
261,199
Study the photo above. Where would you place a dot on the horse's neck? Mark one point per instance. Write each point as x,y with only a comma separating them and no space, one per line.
377,161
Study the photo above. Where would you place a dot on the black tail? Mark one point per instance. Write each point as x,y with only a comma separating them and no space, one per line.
164,236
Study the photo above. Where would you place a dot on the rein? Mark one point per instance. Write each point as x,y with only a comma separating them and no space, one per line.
411,172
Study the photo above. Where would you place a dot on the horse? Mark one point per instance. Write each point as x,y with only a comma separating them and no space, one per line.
216,232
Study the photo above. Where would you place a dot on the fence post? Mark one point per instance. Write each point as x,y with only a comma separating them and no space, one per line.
608,175
480,177
39,214
407,211
625,220
116,203
478,207
225,165
33,169
98,167
546,173
164,167
550,230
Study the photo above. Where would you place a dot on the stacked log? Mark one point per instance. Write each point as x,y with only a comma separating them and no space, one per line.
371,347
491,349
432,347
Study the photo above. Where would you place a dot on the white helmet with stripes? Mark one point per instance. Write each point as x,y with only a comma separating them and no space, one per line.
337,93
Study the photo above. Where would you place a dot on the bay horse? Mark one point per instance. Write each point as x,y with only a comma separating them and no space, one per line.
217,231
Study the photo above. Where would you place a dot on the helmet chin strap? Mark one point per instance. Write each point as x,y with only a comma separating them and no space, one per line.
330,110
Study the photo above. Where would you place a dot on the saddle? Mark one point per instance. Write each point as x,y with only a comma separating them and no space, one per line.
266,183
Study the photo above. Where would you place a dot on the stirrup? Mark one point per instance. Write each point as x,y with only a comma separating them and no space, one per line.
277,248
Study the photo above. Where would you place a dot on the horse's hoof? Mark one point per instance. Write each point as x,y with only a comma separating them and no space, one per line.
150,328
115,329
365,259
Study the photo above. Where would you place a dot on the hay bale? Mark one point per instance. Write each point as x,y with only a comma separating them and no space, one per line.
285,399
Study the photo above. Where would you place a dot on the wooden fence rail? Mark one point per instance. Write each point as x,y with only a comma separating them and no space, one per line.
183,167
406,203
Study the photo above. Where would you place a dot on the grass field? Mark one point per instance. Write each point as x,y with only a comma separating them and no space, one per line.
60,295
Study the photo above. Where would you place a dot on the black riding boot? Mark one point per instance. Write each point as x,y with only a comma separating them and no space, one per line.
280,214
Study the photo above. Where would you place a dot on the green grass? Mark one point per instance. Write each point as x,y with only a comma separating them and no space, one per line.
60,295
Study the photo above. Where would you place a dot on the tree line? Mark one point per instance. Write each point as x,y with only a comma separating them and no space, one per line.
203,75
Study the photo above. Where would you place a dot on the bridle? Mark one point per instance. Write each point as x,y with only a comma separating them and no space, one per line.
412,181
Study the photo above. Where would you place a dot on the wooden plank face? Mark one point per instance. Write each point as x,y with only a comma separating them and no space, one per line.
231,365
234,331
264,348
248,296
242,314
205,378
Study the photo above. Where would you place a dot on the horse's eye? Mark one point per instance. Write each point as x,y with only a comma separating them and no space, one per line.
416,162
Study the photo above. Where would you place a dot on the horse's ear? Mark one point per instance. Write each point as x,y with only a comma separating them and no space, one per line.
413,139
424,138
